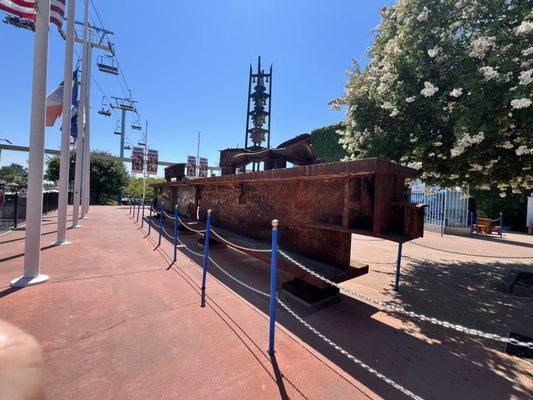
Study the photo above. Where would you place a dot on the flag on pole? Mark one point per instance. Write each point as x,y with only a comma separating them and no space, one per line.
54,101
26,9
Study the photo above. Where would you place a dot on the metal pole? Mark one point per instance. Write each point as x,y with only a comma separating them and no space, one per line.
398,265
176,216
142,217
206,256
130,205
122,137
501,224
87,148
471,218
150,220
32,249
145,168
160,223
81,122
273,281
138,211
64,163
197,172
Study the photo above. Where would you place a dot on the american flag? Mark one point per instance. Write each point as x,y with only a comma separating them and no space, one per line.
26,9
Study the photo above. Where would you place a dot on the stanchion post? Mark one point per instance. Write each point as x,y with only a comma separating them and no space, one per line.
160,223
442,223
150,219
206,256
501,224
16,211
133,201
142,217
273,281
130,205
471,217
176,216
398,265
138,211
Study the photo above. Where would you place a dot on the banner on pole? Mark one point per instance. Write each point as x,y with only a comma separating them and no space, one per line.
203,167
151,161
191,166
137,156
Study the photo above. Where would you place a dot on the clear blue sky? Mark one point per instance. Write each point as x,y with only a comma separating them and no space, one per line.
187,65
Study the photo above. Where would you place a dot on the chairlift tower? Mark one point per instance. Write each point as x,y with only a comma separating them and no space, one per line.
258,116
125,105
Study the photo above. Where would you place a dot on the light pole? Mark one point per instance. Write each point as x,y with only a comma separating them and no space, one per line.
32,244
198,156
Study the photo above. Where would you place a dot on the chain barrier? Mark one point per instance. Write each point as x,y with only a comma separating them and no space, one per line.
348,355
376,262
200,232
168,215
240,247
400,310
470,254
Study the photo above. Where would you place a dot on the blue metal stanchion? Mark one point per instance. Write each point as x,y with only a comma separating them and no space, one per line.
206,256
176,216
273,281
398,265
471,218
160,224
442,223
138,211
130,206
142,217
501,225
150,220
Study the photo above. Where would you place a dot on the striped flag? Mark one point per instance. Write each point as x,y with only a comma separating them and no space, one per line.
26,9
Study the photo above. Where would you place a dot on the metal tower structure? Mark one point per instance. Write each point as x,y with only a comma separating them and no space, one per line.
258,116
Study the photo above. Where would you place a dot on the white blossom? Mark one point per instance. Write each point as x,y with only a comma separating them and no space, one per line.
410,99
523,150
465,142
489,73
528,51
456,92
520,103
387,105
423,16
524,28
394,112
525,77
479,46
429,90
434,52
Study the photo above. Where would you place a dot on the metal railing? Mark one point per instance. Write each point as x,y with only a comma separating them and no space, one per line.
274,300
13,208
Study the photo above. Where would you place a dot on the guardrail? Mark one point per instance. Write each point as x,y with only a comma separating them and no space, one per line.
13,209
273,296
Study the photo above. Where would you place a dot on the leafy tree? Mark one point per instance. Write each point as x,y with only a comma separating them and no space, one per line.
326,143
108,177
448,90
14,173
135,187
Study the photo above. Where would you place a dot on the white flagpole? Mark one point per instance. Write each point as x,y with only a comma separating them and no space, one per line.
34,207
65,133
87,148
81,127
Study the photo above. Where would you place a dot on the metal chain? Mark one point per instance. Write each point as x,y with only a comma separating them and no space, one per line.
348,355
240,247
469,254
400,310
374,262
239,281
168,215
192,251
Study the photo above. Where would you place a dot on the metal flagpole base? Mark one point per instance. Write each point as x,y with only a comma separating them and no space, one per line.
23,282
60,243
75,226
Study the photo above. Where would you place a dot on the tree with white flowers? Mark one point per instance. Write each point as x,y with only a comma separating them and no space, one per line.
448,91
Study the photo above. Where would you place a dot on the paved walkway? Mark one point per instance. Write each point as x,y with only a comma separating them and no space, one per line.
116,322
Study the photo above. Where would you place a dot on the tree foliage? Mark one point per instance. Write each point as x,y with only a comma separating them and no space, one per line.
14,173
448,91
135,187
108,177
326,143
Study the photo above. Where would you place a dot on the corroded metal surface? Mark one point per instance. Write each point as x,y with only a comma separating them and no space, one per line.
319,206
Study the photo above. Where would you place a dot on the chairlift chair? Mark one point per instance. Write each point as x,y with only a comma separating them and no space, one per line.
127,147
136,125
118,130
107,64
105,110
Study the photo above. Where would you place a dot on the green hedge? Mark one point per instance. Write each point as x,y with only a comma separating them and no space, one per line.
326,143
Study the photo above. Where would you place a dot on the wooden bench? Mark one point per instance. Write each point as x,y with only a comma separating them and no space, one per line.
486,225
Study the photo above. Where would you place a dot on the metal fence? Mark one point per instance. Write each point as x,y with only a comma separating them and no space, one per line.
445,207
13,209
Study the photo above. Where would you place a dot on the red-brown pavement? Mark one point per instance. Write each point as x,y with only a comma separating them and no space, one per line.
116,322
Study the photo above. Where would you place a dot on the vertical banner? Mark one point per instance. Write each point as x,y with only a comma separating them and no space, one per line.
203,167
137,155
151,161
191,166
